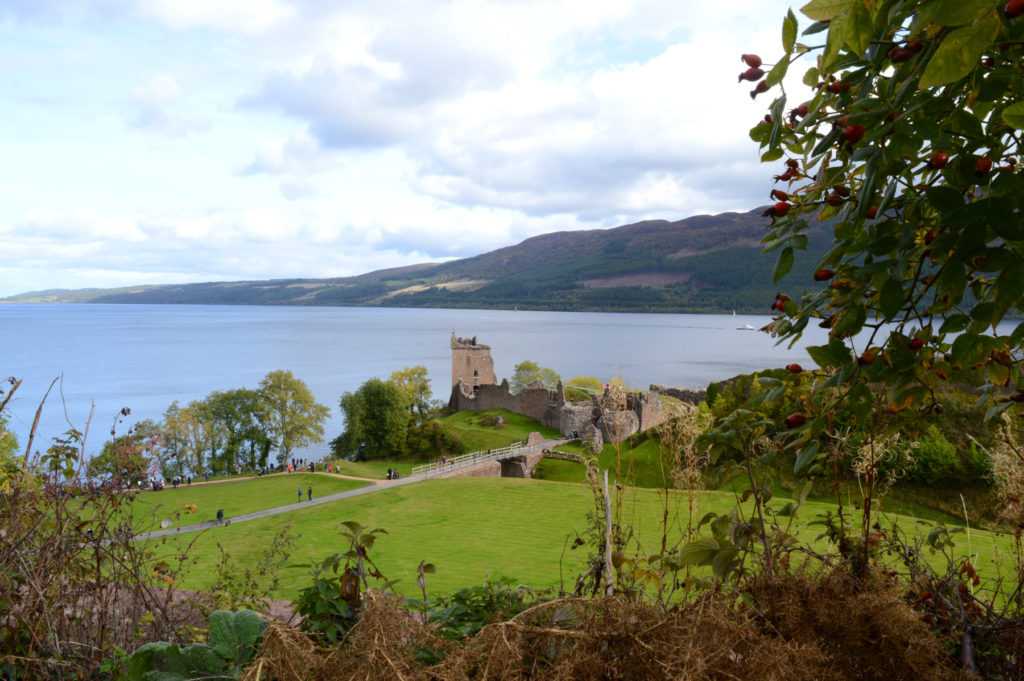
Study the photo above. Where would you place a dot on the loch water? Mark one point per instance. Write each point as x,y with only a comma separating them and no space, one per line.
144,357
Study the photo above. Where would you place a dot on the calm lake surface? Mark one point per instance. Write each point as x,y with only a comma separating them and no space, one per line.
146,356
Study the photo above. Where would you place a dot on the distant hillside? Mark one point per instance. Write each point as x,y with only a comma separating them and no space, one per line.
707,263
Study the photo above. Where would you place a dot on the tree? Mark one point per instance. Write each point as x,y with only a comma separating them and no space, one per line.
909,144
526,372
588,382
415,385
906,149
292,417
127,458
377,418
238,411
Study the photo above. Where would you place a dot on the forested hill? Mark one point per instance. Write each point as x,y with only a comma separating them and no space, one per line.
707,263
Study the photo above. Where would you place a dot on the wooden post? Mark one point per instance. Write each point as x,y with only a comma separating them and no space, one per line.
609,587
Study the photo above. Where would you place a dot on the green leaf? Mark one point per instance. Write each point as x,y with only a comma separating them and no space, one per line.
789,26
891,298
995,411
945,199
960,51
954,12
805,456
811,77
162,661
805,490
1013,115
777,73
823,10
699,552
788,510
202,658
783,264
966,350
955,323
832,355
834,43
859,29
1000,214
722,561
234,635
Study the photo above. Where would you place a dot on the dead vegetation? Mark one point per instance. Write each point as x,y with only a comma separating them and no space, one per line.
826,628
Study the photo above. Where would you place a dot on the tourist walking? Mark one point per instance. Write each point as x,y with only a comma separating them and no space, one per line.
300,494
309,493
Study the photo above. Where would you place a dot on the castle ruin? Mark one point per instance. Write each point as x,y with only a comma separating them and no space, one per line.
471,363
475,388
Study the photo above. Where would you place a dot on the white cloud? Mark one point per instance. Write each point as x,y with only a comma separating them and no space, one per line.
343,137
151,104
249,17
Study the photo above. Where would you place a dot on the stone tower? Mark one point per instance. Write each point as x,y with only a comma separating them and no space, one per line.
472,363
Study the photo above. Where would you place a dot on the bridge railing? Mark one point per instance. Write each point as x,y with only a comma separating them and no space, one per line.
467,460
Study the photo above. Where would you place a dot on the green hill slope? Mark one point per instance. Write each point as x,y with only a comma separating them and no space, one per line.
708,263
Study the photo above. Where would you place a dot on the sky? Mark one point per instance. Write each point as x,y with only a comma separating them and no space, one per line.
175,141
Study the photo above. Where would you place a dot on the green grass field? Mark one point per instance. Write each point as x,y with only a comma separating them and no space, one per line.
478,437
150,508
474,527
374,470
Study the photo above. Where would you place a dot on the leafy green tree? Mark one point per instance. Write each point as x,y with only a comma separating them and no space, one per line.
527,371
377,418
908,141
415,385
589,382
907,144
290,414
239,412
189,435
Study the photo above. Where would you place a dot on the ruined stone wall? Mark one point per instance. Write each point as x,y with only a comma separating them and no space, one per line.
649,410
689,395
575,417
539,403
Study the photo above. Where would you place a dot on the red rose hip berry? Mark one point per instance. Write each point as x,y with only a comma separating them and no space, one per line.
824,274
795,420
939,159
794,368
853,133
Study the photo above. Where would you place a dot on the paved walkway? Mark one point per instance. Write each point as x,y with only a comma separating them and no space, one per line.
375,486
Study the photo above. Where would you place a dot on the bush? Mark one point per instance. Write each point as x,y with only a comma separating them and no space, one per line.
935,457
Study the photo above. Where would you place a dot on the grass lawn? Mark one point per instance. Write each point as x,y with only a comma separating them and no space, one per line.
374,470
476,436
472,527
641,468
640,465
235,497
479,437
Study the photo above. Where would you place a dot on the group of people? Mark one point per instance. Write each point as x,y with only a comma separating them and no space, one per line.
309,493
392,473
